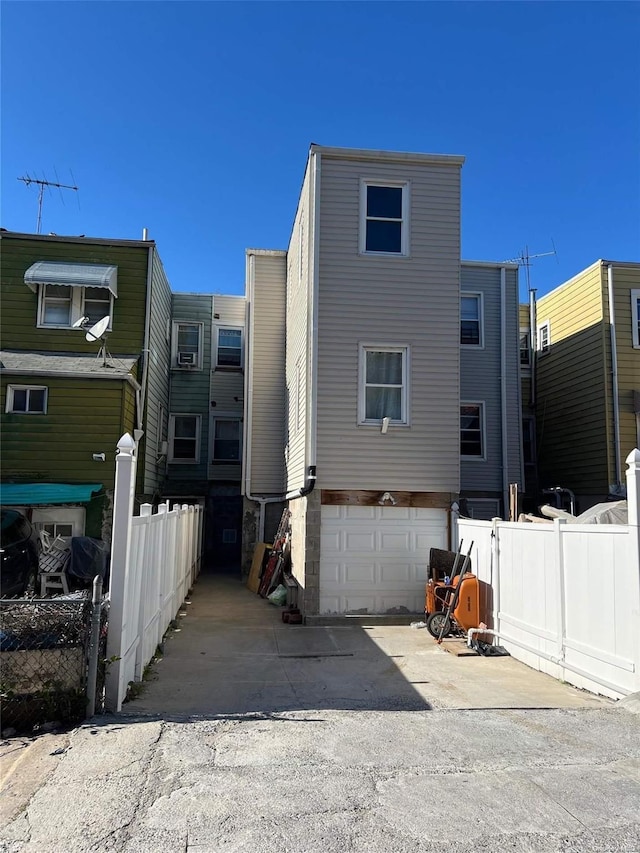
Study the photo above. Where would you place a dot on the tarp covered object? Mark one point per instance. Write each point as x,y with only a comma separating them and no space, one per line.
88,558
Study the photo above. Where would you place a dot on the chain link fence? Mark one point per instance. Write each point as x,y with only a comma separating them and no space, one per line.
49,657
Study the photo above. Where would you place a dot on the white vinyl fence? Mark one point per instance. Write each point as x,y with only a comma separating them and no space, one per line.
155,559
565,598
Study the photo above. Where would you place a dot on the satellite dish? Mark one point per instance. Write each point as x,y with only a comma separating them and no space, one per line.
96,332
80,323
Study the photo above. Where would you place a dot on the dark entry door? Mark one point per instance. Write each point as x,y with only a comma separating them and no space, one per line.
224,533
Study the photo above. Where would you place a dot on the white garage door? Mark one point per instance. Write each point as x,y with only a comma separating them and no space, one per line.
374,559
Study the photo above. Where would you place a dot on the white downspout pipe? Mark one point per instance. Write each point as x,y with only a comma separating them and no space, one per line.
503,389
614,374
248,408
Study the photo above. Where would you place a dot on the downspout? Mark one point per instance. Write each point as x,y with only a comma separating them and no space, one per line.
614,374
248,408
503,388
314,278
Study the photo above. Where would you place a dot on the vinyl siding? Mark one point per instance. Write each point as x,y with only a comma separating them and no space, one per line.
265,371
480,379
625,279
412,301
571,413
298,340
84,416
158,375
20,305
189,389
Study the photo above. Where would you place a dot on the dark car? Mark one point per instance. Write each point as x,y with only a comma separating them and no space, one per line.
19,550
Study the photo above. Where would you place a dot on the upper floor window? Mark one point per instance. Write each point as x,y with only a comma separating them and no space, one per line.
229,347
227,436
383,391
635,317
525,348
472,431
184,439
384,218
27,399
544,337
187,345
471,321
60,306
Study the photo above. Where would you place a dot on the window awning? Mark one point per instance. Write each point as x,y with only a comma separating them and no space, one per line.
27,494
72,275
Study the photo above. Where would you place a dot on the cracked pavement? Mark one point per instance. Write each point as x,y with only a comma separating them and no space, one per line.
322,766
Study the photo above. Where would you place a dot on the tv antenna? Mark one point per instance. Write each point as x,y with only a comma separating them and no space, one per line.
524,260
41,184
97,332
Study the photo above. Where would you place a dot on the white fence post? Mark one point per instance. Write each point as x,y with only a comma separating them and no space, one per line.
145,512
633,502
561,623
124,490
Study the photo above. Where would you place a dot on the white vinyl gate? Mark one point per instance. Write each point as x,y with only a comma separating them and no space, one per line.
374,559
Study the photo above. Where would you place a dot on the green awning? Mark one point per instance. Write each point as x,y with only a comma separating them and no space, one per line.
27,494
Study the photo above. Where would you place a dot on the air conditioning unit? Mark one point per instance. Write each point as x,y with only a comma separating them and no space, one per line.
187,359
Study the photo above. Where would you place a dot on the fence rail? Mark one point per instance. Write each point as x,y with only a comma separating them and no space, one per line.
155,561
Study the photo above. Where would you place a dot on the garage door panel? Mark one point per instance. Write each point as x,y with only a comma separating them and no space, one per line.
374,559
360,541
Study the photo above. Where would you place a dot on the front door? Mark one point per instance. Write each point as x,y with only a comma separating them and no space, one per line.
224,533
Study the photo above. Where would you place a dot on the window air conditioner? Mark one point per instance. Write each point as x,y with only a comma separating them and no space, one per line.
187,359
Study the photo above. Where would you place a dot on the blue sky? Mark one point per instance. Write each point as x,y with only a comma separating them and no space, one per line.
194,120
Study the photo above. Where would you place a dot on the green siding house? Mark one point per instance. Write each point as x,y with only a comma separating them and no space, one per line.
66,399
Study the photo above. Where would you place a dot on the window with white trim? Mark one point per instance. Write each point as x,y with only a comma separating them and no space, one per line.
26,399
544,337
635,318
471,321
184,439
186,348
227,440
229,350
384,218
60,305
472,431
383,384
525,348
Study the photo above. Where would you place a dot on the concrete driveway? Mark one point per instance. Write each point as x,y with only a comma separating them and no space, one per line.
257,736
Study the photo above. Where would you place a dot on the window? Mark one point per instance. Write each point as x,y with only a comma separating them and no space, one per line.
635,317
229,347
184,439
383,384
525,348
472,431
187,345
384,218
26,399
544,337
226,440
471,320
60,305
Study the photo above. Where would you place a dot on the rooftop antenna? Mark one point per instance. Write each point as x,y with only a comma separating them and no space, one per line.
41,184
97,332
524,260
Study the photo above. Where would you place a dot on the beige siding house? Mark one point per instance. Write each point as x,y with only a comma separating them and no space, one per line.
587,402
353,400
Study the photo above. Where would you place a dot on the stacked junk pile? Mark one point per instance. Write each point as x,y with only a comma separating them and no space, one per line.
270,575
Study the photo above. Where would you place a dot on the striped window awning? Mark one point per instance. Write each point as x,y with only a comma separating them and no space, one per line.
72,275
28,494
